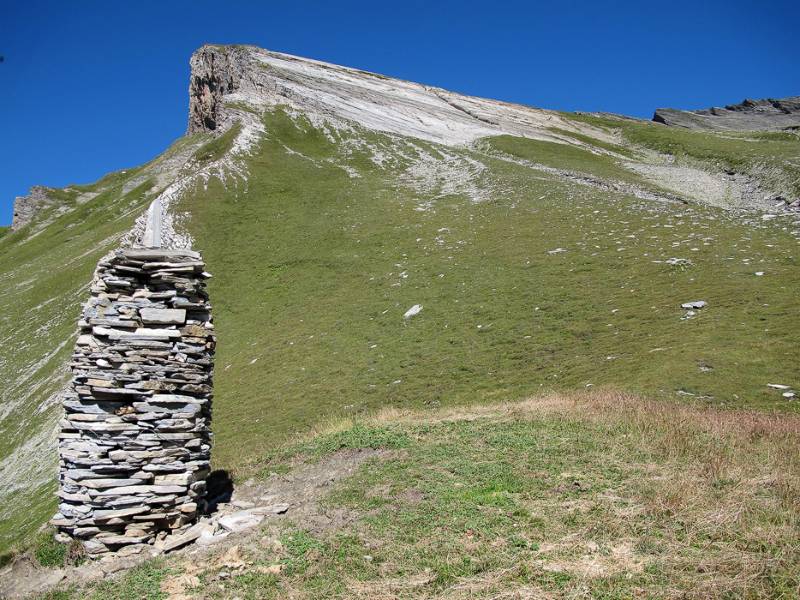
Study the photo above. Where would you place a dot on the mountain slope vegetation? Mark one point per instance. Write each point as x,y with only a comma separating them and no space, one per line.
315,267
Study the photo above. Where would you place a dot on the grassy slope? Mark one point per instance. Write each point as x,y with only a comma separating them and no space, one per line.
600,496
562,156
309,295
43,281
773,155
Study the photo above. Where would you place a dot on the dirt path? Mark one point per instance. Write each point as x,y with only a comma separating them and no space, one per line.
302,489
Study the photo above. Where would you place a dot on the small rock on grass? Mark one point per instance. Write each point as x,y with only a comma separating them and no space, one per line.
413,311
694,304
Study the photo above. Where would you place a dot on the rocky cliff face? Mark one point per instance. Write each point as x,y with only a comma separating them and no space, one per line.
215,73
749,115
26,207
225,79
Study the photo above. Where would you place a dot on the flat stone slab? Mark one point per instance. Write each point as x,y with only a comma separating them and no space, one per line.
105,515
140,334
99,484
110,391
163,316
271,509
119,540
239,521
149,255
143,489
103,426
174,542
174,399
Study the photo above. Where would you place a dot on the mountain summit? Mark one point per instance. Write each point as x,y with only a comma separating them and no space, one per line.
223,76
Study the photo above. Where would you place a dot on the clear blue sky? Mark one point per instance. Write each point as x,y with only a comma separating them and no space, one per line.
90,87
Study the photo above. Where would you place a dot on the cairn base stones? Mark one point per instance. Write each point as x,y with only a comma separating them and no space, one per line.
135,440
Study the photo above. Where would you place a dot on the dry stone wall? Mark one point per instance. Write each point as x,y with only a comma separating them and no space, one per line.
135,440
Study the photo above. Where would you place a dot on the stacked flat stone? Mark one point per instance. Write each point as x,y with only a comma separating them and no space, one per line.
135,440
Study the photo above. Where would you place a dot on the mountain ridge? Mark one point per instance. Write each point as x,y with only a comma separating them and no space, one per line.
227,83
782,114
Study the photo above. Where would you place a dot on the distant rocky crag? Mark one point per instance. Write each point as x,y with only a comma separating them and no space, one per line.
749,115
27,207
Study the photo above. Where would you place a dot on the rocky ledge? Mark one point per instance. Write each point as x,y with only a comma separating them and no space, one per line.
27,207
749,115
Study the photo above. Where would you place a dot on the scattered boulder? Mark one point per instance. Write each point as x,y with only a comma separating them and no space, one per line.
694,305
413,311
778,386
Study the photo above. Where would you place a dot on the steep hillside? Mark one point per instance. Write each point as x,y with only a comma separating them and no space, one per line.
547,250
46,266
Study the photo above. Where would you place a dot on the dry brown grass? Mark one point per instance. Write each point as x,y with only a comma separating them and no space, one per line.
729,481
666,500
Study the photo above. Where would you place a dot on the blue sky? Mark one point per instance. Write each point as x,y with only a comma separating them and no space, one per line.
91,87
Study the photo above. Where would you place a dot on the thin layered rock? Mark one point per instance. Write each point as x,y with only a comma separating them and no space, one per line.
135,440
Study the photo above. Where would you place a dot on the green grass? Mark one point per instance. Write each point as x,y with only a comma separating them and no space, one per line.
141,583
48,552
217,147
591,141
359,436
601,496
562,156
608,496
309,296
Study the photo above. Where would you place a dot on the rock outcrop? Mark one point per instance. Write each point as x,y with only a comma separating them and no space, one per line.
749,115
215,73
226,79
135,439
27,207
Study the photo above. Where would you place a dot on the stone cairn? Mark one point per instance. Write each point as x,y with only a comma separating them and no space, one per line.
135,441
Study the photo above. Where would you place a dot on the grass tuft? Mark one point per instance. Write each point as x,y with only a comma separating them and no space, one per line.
47,551
216,148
